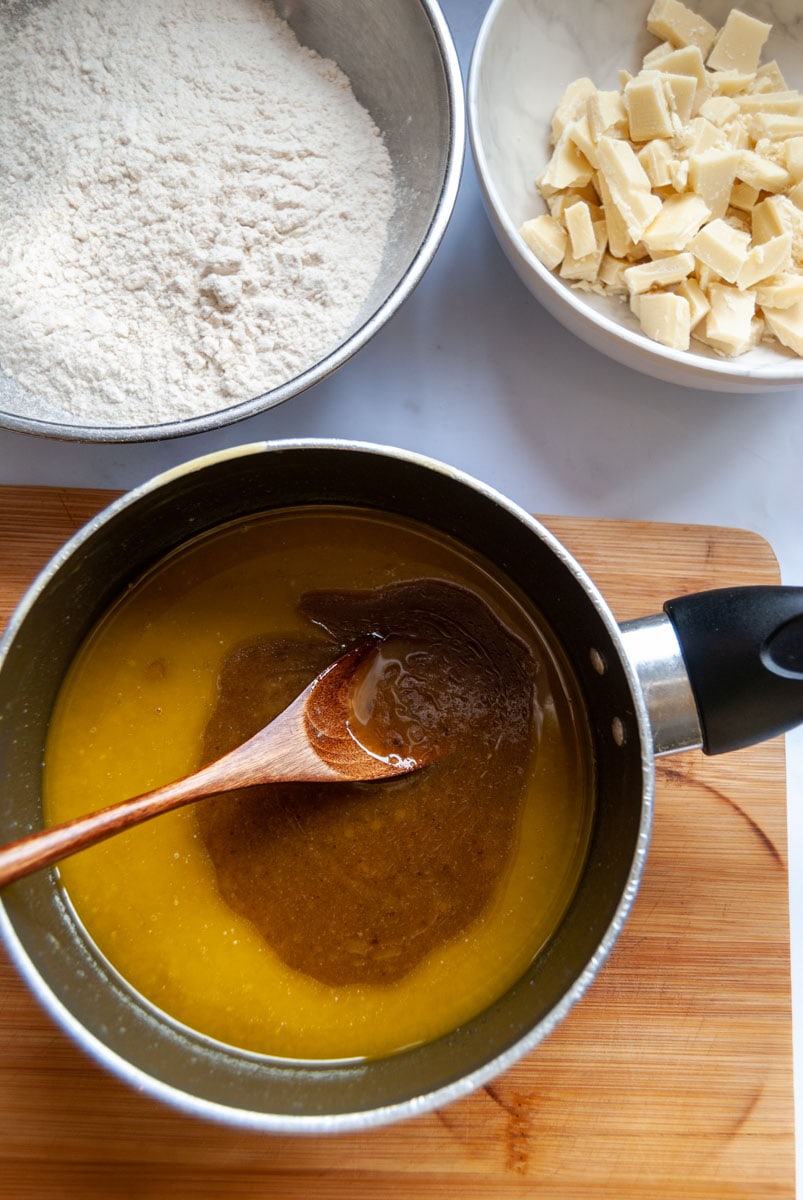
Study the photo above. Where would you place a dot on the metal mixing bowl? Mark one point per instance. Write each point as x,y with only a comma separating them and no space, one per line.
403,68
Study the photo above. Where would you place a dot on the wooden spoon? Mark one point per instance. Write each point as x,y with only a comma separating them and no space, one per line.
312,740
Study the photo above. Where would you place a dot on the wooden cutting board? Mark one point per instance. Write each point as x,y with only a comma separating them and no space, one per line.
671,1078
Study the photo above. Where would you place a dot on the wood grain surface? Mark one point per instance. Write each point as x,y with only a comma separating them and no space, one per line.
671,1078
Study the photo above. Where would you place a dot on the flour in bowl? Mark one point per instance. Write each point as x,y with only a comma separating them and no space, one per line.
194,207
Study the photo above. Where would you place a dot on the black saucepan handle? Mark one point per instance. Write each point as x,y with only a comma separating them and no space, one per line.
743,650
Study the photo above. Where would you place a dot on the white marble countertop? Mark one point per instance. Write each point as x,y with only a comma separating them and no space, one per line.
474,372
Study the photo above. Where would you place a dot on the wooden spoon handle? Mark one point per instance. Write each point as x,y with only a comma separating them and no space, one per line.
47,846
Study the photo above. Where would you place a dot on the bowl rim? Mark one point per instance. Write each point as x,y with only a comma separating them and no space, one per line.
223,417
688,361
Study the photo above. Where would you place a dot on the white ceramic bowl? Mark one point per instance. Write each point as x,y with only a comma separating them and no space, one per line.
526,53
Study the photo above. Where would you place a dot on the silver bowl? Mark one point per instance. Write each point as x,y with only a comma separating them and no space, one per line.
404,70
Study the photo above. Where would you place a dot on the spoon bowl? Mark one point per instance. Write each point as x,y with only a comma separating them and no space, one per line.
312,740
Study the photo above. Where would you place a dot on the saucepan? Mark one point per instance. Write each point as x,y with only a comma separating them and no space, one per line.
716,671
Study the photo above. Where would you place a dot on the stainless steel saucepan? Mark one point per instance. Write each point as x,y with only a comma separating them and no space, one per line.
716,671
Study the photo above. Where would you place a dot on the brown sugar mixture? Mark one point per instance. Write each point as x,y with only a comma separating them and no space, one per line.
354,883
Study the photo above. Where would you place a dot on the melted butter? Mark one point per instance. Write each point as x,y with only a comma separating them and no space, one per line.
149,697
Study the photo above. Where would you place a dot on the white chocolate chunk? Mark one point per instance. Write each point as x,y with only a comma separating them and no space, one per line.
655,157
701,134
761,172
774,126
612,273
572,105
648,112
743,196
585,269
775,216
628,185
796,195
606,114
768,258
729,324
619,241
722,248
793,157
780,291
769,78
666,318
697,300
677,24
676,224
580,229
711,176
661,273
776,102
579,132
719,110
682,95
567,167
787,325
731,83
686,61
739,43
654,56
547,239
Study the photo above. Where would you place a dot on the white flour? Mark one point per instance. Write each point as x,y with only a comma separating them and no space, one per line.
193,207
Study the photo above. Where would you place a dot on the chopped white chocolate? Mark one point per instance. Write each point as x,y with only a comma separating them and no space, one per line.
777,215
780,291
606,114
682,191
793,157
739,43
762,173
731,83
654,56
679,174
662,272
571,106
682,93
676,224
680,26
547,239
579,133
743,196
628,184
580,229
655,158
722,248
666,318
585,268
567,167
711,175
768,258
778,102
612,273
769,78
701,134
787,325
619,241
648,112
697,300
774,126
686,61
729,323
719,110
